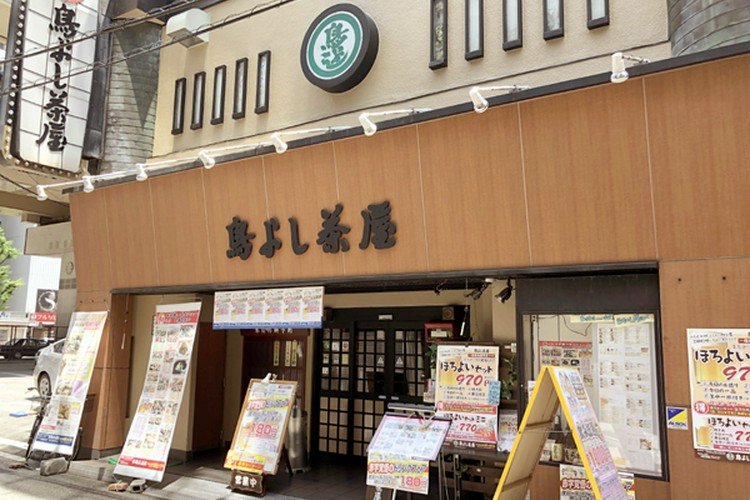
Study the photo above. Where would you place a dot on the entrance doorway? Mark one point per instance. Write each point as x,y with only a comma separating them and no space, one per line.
366,359
281,352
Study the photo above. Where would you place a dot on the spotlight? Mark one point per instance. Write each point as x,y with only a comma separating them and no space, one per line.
278,143
504,295
619,73
439,287
481,104
142,174
41,194
88,186
208,161
369,127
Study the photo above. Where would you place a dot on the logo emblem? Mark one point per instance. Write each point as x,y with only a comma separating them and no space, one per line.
339,48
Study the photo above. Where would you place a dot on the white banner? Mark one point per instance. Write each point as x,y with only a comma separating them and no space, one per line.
272,308
150,436
60,426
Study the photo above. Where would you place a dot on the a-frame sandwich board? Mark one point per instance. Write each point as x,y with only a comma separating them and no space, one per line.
557,387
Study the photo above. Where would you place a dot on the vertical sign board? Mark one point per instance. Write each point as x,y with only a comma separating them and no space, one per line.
557,387
60,425
464,377
398,456
152,428
259,435
719,362
48,112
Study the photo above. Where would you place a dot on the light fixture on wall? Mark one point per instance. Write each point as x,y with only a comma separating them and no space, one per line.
142,174
41,193
504,295
281,145
88,184
369,127
619,73
208,161
481,104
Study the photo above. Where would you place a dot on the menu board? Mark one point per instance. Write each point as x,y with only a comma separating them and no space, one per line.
569,354
719,362
574,484
259,435
588,436
152,428
59,427
398,455
271,308
464,376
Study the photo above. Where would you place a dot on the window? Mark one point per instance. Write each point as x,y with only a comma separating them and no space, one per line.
512,25
439,34
220,85
263,81
178,110
474,29
240,88
199,83
598,13
607,328
553,19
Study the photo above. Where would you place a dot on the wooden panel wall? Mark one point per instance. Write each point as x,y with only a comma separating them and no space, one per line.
473,190
90,228
587,176
699,128
699,294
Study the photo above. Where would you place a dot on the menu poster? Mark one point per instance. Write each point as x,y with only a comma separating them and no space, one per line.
464,375
272,308
59,427
152,428
587,433
574,484
259,435
398,472
507,429
569,354
719,365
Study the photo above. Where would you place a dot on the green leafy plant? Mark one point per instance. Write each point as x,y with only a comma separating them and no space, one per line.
508,383
7,285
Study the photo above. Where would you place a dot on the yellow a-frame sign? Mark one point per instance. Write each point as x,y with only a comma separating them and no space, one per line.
557,387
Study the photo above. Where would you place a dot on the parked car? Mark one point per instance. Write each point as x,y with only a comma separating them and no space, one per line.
47,366
19,348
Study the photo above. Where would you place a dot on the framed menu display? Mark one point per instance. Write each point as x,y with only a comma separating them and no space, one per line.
259,435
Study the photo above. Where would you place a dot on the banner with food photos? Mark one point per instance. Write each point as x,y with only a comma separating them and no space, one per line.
152,428
59,428
270,308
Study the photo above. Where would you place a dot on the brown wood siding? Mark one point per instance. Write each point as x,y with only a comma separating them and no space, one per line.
699,130
90,228
372,170
473,189
587,176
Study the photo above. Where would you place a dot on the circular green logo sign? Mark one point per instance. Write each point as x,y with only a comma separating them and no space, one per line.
339,48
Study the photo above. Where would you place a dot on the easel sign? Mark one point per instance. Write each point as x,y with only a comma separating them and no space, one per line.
399,454
557,387
259,435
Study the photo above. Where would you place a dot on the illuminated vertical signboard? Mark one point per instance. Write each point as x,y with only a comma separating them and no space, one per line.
51,78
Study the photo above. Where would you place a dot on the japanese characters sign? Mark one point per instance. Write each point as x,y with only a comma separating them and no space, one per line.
50,107
339,48
719,362
152,428
398,455
575,486
378,231
259,434
462,393
271,308
60,426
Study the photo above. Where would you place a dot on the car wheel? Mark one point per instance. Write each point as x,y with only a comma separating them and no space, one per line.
17,355
44,385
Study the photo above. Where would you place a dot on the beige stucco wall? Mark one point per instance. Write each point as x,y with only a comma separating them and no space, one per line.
400,77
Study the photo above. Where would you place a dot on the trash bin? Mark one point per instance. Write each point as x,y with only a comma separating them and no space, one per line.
296,438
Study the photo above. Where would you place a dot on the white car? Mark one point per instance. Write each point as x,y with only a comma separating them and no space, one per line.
46,367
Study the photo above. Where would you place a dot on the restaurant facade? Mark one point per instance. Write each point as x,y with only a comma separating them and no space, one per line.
586,197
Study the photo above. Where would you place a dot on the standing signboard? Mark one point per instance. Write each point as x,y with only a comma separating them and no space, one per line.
150,436
719,362
464,377
560,387
399,454
59,427
259,435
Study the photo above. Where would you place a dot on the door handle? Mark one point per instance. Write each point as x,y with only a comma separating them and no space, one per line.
381,396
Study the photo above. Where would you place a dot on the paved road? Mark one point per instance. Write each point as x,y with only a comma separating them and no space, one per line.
15,379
